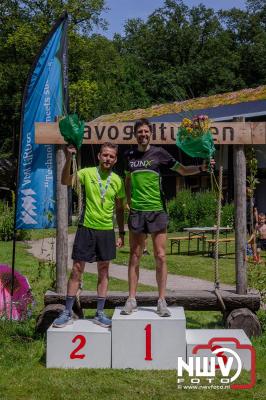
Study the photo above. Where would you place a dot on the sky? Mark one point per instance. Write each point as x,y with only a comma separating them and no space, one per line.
122,10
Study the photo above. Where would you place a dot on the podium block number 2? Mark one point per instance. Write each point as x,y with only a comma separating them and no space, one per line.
82,342
148,342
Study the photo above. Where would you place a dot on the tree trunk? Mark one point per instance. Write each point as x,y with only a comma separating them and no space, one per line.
203,300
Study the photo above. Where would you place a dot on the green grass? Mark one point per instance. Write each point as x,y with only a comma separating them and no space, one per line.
36,234
195,265
41,275
23,375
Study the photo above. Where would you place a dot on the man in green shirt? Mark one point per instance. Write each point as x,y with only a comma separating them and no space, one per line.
147,209
95,237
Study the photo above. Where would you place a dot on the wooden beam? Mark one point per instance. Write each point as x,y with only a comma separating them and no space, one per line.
240,218
163,133
191,300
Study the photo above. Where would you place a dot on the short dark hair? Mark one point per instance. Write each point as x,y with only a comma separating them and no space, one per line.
141,122
110,145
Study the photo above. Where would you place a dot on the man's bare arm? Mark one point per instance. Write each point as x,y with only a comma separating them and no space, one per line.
67,178
128,189
256,214
188,170
119,208
192,169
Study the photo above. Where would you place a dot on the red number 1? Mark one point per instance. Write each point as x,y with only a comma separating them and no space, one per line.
148,342
82,343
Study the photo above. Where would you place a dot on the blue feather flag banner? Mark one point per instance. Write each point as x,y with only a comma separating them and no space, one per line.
45,98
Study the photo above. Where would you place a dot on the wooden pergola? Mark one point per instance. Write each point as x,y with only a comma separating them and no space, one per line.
237,133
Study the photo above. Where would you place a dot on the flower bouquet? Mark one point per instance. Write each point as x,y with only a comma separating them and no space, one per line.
72,129
195,138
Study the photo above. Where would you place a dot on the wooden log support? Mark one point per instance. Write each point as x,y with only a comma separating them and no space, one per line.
203,300
48,315
62,224
240,217
245,319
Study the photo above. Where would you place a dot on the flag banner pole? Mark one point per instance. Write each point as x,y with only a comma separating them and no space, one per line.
45,98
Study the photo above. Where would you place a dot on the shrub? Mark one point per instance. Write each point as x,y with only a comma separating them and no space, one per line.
207,206
7,224
261,314
181,210
227,218
6,221
257,280
196,209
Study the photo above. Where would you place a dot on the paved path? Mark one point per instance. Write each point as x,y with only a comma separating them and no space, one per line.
42,249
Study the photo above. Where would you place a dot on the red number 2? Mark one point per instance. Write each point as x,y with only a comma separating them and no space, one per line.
82,343
148,342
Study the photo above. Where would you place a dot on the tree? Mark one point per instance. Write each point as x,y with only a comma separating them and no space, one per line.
248,32
177,53
23,27
84,95
181,52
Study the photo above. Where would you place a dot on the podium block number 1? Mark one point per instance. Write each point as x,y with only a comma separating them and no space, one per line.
148,342
82,342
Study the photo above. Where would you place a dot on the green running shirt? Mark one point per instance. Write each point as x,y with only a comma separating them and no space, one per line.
144,170
98,215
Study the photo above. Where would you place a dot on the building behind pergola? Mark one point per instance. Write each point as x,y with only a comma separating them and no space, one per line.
247,103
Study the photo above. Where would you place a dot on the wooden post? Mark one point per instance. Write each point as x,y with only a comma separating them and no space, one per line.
230,173
240,216
62,224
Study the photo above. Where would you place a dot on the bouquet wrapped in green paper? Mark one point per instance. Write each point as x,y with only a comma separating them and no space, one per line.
72,129
195,138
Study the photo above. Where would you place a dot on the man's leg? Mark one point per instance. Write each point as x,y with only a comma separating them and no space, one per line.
73,285
259,260
136,243
253,244
159,243
103,278
102,287
74,281
145,250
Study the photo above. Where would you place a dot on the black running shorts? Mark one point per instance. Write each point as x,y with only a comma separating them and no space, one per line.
147,221
94,245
